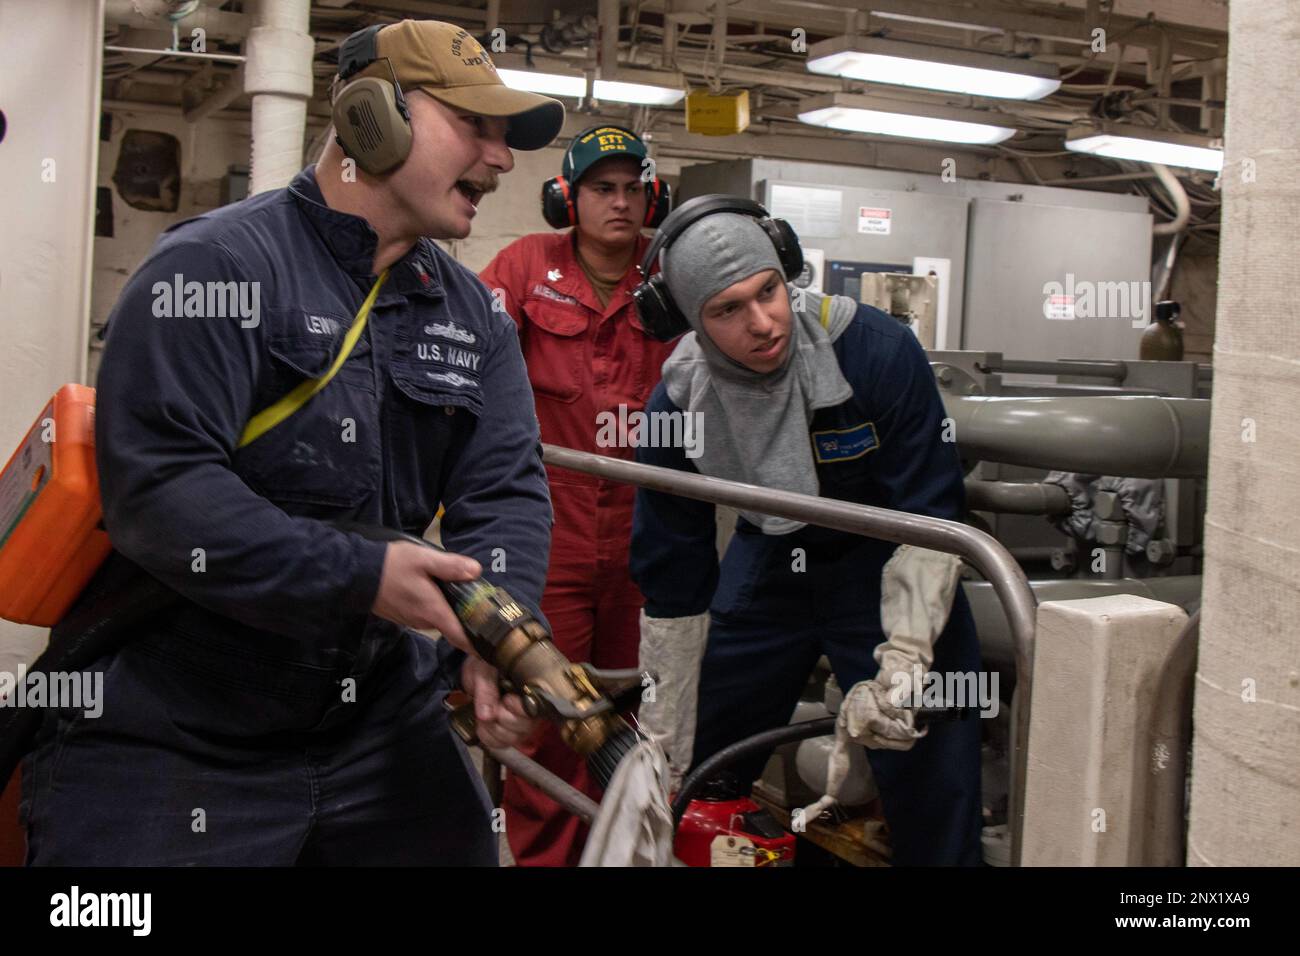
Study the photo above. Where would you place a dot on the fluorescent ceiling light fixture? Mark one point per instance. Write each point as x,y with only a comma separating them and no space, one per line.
970,72
575,85
645,93
873,114
1144,145
548,84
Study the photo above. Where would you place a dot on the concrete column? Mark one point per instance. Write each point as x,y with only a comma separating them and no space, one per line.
1245,808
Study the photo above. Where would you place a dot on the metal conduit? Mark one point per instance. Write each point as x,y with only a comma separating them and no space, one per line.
982,551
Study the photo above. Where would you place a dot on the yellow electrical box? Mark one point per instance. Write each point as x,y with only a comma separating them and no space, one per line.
717,114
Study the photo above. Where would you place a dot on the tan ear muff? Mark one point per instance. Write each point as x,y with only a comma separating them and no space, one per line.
371,125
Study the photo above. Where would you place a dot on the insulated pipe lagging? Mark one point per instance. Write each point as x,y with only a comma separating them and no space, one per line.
278,76
1131,436
278,126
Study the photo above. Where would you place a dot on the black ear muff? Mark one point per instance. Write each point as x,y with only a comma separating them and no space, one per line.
787,246
659,314
371,121
558,208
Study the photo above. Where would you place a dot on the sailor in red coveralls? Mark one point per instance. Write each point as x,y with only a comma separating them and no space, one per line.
570,293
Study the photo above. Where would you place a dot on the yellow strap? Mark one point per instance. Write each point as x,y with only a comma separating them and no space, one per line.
269,417
826,312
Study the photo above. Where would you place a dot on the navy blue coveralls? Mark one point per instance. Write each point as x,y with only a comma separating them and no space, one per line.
271,719
780,602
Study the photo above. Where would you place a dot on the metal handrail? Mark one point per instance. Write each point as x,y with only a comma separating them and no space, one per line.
557,788
981,550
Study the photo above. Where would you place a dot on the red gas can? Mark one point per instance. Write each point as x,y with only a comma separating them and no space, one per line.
723,827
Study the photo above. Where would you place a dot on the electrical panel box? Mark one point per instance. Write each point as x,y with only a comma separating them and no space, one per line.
1050,281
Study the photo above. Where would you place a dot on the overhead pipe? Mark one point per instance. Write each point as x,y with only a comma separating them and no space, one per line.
278,76
607,15
1182,205
151,14
1111,178
1131,436
668,58
187,54
1165,273
719,43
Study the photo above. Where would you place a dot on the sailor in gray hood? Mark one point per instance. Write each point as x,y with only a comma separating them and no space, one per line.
818,395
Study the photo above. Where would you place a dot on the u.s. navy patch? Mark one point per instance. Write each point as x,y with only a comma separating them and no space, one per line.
845,444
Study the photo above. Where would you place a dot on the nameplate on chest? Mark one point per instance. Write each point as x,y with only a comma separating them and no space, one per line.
844,444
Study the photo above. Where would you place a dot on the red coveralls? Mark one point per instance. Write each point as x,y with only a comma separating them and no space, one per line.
582,359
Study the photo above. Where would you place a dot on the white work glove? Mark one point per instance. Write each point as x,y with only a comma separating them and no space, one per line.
671,648
917,590
877,712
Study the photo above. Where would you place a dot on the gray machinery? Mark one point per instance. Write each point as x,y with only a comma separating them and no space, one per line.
999,251
1129,419
1017,422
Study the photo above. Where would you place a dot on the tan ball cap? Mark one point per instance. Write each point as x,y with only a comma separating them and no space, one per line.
446,62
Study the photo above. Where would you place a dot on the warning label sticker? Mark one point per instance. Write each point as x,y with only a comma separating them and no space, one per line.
875,221
1059,307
